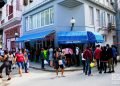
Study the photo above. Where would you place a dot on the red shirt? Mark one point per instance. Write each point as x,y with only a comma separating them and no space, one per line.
20,57
98,53
87,54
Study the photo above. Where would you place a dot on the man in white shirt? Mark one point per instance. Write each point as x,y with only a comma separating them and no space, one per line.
77,56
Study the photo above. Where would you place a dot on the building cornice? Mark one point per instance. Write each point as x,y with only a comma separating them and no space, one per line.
37,6
10,21
102,5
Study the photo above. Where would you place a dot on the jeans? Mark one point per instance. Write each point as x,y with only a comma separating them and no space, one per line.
83,64
26,67
87,67
110,64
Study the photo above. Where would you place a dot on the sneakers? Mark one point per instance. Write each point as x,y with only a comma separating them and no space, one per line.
1,76
9,78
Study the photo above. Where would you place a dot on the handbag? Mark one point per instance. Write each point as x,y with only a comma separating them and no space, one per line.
60,62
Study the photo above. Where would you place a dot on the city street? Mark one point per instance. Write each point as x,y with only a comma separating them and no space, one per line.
76,78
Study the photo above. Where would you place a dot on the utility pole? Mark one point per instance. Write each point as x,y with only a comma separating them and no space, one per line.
116,7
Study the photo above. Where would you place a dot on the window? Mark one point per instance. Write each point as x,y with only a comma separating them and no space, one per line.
30,23
91,16
10,9
26,24
98,17
25,2
104,19
34,21
51,16
30,1
112,19
105,38
40,19
46,17
108,18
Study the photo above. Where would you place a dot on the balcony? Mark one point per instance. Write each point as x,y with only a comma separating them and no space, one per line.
70,3
10,16
103,30
111,27
11,20
2,21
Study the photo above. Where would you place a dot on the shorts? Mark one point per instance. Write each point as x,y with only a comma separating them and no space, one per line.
57,66
20,65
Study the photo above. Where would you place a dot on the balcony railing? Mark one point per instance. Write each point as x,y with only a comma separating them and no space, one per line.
2,21
10,16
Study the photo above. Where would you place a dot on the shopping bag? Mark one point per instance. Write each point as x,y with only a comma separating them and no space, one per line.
92,64
45,62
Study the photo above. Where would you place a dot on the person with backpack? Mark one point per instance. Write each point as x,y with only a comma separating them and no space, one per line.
6,64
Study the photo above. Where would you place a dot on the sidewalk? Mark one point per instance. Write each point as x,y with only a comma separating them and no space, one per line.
50,69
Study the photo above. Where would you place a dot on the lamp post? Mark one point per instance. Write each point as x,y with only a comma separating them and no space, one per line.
16,35
72,21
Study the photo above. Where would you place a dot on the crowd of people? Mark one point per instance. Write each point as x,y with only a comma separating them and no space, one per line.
9,59
105,56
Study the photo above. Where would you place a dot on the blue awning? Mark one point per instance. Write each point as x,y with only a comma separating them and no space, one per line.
79,37
40,35
99,37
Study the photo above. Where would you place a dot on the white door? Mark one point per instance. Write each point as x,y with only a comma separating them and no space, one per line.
8,44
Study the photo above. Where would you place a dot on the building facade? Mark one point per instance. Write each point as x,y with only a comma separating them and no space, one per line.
117,7
90,15
11,23
1,31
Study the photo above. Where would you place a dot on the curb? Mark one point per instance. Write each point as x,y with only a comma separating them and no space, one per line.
47,70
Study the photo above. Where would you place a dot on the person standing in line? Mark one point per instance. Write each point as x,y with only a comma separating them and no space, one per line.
6,65
110,58
26,63
87,55
20,59
51,56
114,51
83,62
103,60
42,58
97,55
77,56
